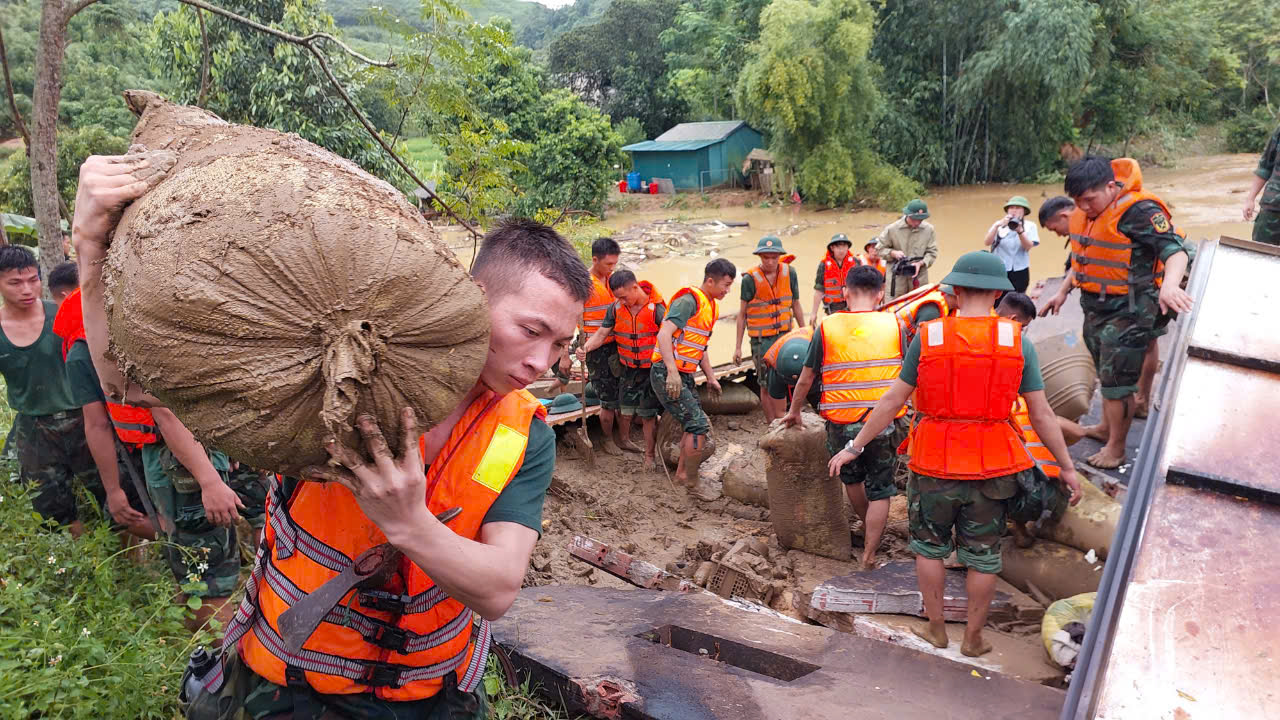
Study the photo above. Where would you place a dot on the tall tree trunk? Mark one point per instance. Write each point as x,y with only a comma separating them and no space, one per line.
44,139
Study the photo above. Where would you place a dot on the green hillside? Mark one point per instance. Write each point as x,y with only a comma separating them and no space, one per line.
534,25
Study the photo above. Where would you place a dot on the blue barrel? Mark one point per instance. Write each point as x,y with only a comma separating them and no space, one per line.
633,181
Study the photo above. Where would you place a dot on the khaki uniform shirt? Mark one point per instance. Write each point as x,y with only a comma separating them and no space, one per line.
918,242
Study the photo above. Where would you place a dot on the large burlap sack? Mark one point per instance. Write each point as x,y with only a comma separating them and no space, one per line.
269,292
1090,525
1056,570
806,506
735,399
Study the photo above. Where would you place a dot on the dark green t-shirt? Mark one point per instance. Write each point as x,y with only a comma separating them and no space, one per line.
1269,170
820,278
749,285
1141,224
36,375
682,308
611,315
82,376
1032,381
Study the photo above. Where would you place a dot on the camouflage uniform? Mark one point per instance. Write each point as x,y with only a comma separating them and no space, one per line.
205,551
604,371
1266,225
637,397
970,514
249,485
686,409
52,454
1039,497
874,466
759,348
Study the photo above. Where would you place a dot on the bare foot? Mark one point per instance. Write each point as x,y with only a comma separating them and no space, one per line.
610,448
649,463
1071,432
1097,432
978,649
1104,460
936,637
628,446
869,564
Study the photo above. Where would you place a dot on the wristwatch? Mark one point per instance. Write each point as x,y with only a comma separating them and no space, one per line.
849,447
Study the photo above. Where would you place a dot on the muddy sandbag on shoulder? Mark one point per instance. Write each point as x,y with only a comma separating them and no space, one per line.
269,292
735,399
806,506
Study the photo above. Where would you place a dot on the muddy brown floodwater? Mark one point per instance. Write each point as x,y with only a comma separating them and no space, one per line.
1204,194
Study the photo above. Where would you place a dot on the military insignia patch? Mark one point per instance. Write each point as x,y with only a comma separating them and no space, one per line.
1160,222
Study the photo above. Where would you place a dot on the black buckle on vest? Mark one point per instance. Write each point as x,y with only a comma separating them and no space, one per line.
384,601
388,637
294,677
382,675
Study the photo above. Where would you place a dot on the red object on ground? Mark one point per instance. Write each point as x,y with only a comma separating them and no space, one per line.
622,186
653,187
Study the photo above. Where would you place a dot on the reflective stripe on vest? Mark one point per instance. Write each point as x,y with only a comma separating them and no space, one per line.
596,307
1101,256
1039,451
967,381
861,357
313,535
833,274
637,333
133,425
690,342
908,313
769,312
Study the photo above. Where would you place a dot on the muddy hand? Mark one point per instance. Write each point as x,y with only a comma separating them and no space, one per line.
674,386
1068,478
109,183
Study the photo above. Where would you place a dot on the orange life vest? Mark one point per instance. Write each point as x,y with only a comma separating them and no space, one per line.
967,381
833,274
770,358
690,342
906,308
398,642
861,357
637,333
593,311
769,312
1100,253
875,261
134,425
1045,459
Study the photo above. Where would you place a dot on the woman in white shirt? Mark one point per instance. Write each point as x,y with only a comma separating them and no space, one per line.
1011,239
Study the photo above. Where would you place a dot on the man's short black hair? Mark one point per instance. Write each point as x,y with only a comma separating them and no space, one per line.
620,279
17,257
64,276
864,278
1089,172
518,245
1020,305
718,268
1055,205
604,247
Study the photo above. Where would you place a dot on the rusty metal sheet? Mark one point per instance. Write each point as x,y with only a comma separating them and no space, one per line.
1221,422
1236,319
1197,636
893,588
647,655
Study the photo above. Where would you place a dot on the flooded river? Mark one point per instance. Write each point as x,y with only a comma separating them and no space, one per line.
1204,195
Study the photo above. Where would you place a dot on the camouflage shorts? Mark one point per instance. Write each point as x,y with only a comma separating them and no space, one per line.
1266,227
1117,339
873,467
604,371
251,488
967,516
204,552
686,409
637,397
53,455
1039,498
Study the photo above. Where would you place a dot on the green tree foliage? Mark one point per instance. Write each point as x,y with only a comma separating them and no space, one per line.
617,63
708,40
74,146
630,130
257,79
811,86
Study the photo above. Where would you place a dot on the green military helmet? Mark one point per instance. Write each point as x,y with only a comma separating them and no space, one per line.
791,357
769,244
979,270
839,238
916,210
592,397
1018,201
563,403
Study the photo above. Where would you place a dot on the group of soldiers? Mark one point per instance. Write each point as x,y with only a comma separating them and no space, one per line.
452,517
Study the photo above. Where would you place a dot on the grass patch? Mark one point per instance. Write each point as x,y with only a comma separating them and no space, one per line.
424,153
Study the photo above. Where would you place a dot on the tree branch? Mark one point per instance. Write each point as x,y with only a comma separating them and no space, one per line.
77,7
303,40
13,103
204,61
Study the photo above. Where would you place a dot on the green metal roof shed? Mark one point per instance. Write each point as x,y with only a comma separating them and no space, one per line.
696,155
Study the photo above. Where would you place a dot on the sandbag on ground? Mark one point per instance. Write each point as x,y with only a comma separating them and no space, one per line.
1090,525
270,291
735,399
1056,570
806,506
1063,649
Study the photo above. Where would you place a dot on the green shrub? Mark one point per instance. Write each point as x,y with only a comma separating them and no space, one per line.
1249,132
73,147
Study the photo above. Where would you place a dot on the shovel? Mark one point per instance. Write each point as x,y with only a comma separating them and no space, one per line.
584,441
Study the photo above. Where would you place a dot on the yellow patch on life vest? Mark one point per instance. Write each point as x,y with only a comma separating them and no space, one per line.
1160,222
506,447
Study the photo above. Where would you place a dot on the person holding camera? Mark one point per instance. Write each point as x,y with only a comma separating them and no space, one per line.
1011,239
909,245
